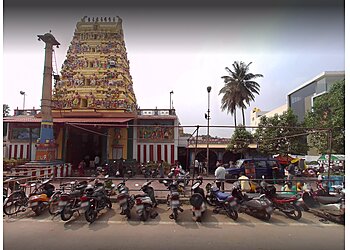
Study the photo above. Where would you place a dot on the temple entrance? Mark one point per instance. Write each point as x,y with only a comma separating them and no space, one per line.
85,145
230,156
202,156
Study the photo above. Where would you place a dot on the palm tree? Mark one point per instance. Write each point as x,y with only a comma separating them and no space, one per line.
239,89
231,97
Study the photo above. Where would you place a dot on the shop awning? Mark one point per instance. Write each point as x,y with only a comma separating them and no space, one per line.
85,120
324,157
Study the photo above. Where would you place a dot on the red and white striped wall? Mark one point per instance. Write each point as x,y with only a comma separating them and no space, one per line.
62,170
17,151
156,152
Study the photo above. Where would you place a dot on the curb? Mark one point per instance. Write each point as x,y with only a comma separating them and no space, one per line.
160,200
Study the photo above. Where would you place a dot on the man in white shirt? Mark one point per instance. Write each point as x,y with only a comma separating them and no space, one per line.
220,173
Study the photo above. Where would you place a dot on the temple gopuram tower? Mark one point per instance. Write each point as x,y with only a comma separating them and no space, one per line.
93,99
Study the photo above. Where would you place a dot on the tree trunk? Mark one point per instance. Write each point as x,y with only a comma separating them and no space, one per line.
235,117
243,117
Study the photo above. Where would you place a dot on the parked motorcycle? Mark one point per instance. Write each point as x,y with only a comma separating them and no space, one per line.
39,201
148,172
146,202
197,200
324,204
183,177
221,201
173,198
125,200
71,202
98,199
251,204
286,203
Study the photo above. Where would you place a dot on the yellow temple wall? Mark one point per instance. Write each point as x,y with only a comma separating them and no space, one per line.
122,141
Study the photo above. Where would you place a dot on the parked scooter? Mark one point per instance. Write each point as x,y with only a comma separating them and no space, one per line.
173,198
324,204
197,200
221,201
98,200
146,202
125,200
251,204
286,203
39,201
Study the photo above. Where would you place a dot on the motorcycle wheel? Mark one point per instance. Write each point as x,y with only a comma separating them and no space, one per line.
39,209
66,213
210,200
144,215
90,215
296,212
109,204
128,213
266,216
53,203
232,213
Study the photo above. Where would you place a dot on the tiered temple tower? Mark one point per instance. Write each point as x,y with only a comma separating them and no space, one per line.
95,76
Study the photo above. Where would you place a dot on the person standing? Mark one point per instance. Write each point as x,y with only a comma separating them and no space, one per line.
291,171
161,169
97,161
220,173
196,167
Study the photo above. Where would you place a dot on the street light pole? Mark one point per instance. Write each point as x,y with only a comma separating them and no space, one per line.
24,98
208,118
171,92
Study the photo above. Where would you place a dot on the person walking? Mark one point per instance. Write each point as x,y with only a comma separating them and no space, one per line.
220,177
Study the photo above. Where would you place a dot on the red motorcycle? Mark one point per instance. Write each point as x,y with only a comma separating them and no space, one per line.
286,203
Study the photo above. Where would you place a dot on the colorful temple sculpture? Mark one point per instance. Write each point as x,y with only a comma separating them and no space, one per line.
94,107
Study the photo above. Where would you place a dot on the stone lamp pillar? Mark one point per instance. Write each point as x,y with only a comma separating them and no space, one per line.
46,146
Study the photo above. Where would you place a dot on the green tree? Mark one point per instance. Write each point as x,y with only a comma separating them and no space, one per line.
5,110
329,112
240,140
239,89
281,134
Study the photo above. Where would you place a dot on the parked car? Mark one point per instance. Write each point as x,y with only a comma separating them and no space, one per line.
256,168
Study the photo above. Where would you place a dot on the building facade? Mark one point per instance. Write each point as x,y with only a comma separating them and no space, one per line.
300,100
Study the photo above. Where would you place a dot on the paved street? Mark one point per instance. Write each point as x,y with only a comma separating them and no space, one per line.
113,231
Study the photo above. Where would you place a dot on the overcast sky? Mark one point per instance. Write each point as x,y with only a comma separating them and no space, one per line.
184,48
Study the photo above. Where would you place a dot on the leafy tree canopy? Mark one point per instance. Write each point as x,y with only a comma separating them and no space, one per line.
240,140
329,112
5,110
280,135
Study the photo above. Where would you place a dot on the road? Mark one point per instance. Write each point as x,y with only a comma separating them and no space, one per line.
217,231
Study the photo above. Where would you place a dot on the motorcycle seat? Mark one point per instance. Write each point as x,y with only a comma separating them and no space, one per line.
250,196
222,196
76,193
328,199
141,195
284,196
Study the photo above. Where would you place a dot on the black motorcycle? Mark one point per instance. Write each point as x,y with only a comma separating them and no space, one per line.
252,204
125,200
98,200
